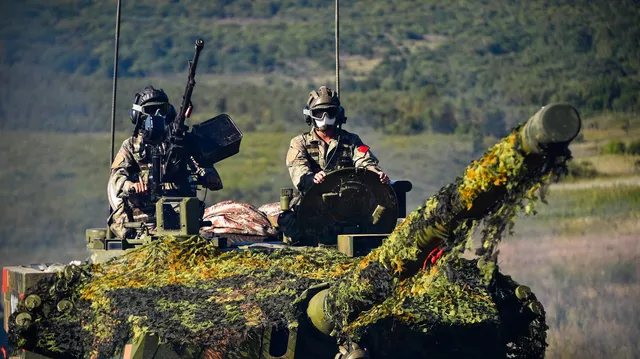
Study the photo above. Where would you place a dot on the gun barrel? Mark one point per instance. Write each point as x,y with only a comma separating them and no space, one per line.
553,125
549,131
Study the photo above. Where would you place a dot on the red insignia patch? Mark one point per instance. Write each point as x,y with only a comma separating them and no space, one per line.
363,149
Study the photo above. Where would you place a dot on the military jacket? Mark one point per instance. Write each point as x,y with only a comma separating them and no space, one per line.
308,154
130,165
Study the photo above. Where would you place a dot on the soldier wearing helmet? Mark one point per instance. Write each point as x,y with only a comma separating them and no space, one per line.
127,188
326,146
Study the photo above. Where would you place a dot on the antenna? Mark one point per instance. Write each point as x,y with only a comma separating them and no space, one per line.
113,98
115,84
337,30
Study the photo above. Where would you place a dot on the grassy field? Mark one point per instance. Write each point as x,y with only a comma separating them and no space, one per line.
581,256
581,252
597,133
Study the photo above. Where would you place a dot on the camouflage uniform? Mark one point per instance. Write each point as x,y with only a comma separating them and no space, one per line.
308,155
131,165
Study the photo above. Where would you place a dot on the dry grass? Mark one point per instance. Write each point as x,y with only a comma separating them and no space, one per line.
589,287
597,132
581,256
608,134
615,165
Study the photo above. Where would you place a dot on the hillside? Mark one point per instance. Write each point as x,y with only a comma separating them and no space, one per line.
409,66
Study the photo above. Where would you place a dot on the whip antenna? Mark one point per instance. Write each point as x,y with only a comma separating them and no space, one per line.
115,83
113,99
337,30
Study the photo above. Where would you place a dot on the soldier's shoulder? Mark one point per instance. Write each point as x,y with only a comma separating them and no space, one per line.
301,138
129,143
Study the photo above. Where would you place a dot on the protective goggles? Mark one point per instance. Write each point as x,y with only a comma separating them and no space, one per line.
320,113
153,108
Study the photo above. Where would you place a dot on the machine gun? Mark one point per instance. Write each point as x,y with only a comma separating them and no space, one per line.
176,158
177,153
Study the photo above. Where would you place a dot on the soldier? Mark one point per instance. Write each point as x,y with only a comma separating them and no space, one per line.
127,188
327,146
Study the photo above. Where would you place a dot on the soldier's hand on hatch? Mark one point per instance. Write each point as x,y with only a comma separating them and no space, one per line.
384,178
139,187
319,177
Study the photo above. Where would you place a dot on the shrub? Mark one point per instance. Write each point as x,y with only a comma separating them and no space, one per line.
634,148
614,147
583,169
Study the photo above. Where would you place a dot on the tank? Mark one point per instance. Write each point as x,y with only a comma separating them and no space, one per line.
364,280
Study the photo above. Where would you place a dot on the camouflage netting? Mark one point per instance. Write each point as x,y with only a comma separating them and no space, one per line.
186,291
491,193
447,312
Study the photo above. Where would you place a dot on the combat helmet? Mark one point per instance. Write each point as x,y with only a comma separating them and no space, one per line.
323,99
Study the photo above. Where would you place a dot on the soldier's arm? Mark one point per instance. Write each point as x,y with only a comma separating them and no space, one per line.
122,171
363,157
298,164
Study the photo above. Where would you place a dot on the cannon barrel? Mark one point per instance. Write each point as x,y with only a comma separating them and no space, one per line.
516,164
553,125
548,131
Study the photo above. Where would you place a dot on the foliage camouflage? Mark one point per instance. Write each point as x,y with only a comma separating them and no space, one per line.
185,291
189,292
503,182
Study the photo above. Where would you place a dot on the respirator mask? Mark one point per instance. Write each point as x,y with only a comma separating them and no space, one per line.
324,117
154,120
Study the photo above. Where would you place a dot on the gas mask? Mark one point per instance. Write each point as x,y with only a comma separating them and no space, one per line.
153,120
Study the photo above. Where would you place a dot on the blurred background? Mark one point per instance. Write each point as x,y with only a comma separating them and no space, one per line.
429,86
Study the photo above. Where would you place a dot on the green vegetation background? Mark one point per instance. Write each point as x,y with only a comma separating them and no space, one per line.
429,85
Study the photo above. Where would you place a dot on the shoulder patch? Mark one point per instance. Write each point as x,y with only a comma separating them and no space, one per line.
363,149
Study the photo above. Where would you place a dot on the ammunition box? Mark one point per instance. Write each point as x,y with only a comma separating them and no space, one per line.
217,138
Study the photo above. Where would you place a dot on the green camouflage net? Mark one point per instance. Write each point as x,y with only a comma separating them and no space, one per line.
184,292
446,312
491,193
188,292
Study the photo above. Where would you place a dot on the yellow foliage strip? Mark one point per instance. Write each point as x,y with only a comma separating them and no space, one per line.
138,270
252,314
497,167
460,304
401,247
